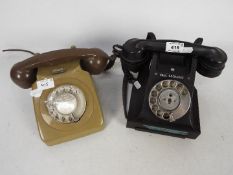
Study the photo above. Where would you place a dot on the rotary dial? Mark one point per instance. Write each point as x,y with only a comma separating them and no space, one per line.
169,100
66,104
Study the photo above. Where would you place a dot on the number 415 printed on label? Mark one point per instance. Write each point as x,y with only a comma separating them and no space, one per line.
177,47
42,85
45,84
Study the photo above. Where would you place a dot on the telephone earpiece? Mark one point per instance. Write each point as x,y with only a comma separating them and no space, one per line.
212,62
92,60
94,64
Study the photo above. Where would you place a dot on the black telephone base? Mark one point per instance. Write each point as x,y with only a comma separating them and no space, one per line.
192,132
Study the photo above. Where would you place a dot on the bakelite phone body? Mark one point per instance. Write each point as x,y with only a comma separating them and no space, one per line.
70,109
163,97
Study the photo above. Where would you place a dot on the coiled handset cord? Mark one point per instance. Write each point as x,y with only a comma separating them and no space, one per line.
117,53
128,76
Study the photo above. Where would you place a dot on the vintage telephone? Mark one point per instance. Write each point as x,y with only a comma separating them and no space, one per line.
163,98
65,101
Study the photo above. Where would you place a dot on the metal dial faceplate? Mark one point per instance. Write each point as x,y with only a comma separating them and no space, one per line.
66,104
169,100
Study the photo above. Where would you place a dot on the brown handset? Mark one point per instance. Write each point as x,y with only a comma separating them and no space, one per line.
92,60
69,107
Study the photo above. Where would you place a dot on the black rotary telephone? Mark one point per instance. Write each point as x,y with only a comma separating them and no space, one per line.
163,98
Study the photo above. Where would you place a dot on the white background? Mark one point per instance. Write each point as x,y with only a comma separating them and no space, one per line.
44,25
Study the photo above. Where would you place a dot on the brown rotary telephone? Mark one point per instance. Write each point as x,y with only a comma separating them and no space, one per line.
65,101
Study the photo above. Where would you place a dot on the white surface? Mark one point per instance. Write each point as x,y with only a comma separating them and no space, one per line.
43,25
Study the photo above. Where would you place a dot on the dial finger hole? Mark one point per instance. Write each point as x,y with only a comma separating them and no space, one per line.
165,84
71,119
179,87
185,91
172,83
154,93
154,108
158,87
159,113
152,100
166,116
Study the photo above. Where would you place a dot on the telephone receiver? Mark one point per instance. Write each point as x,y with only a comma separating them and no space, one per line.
64,96
93,61
211,60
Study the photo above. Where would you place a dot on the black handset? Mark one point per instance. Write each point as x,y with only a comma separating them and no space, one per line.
211,60
163,98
